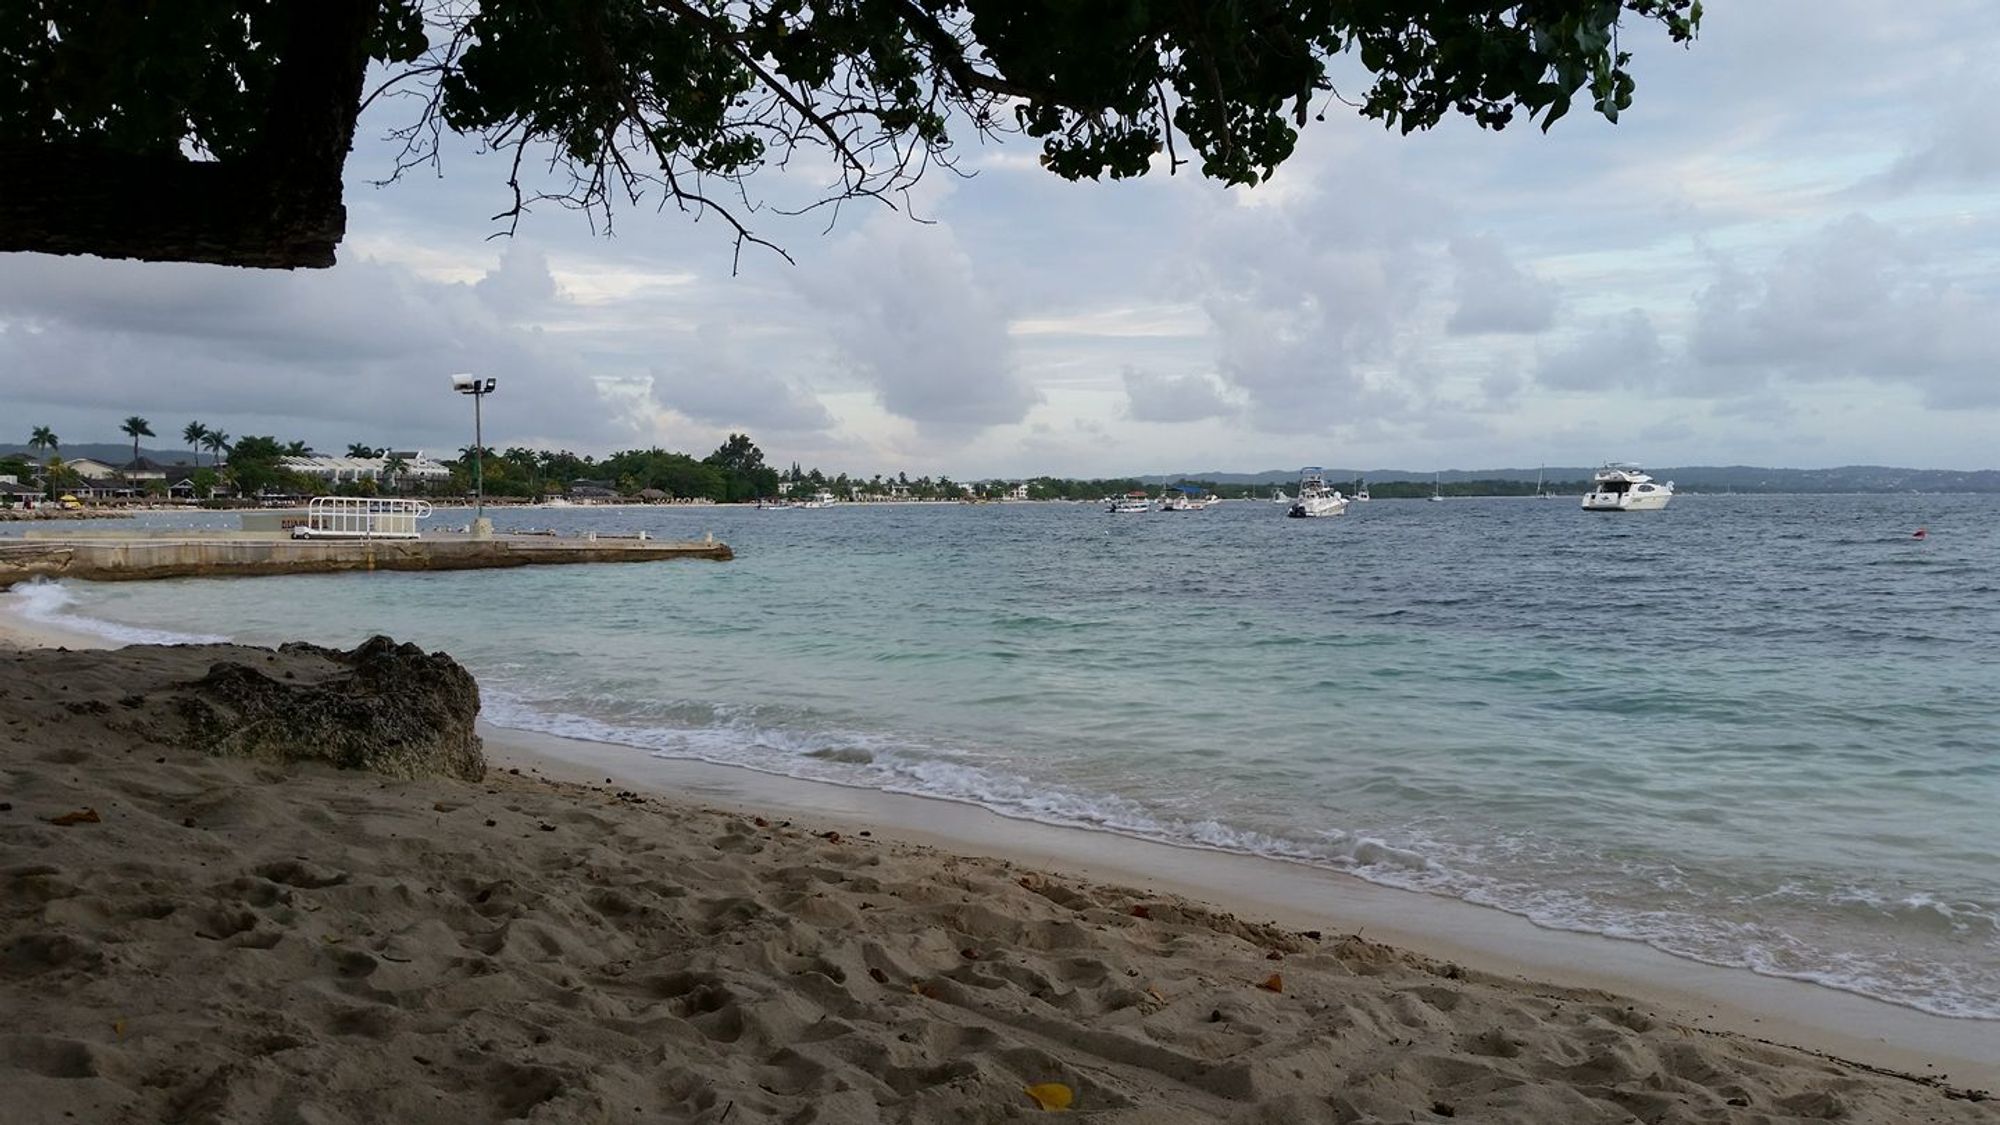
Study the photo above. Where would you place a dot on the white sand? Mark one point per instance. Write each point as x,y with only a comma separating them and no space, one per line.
238,942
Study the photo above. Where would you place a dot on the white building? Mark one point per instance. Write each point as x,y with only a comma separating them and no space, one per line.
91,469
348,470
1018,492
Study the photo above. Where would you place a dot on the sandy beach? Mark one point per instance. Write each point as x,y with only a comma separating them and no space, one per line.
195,937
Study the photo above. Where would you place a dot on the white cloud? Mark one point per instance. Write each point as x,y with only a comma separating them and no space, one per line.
1492,294
1855,299
356,353
1173,398
1618,353
906,309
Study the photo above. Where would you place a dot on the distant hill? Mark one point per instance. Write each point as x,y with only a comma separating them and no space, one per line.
108,452
1695,478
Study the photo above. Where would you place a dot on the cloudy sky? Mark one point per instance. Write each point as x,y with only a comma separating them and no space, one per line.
1785,254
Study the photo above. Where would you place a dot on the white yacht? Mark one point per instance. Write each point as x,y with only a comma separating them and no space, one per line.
1183,498
1315,498
1279,497
1130,504
820,499
1621,487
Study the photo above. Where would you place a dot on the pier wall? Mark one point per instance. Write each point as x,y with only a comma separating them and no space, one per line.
108,559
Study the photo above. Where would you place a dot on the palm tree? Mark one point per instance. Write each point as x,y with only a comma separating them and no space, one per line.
298,449
217,443
137,428
54,472
192,433
358,449
44,440
393,468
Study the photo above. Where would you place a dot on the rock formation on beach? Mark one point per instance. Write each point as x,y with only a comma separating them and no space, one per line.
393,709
388,708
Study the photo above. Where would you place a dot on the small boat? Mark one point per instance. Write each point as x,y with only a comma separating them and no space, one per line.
1315,498
1360,491
820,499
1130,504
1279,497
1186,498
1623,487
1437,487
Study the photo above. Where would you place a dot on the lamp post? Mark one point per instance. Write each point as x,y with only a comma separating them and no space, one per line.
478,388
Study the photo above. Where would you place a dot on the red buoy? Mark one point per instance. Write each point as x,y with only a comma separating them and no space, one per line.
1920,534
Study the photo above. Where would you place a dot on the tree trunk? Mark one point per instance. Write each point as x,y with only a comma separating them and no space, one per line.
279,207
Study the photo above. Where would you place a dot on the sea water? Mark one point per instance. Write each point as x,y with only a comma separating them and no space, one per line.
1756,731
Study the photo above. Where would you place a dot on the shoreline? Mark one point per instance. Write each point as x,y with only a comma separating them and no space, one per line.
1816,1018
1717,998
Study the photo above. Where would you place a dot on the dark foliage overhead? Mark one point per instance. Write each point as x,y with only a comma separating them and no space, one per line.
610,102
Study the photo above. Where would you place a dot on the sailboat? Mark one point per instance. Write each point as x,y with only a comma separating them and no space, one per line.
1437,486
1539,494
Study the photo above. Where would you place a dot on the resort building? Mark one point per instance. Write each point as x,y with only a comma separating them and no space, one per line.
91,469
12,492
416,468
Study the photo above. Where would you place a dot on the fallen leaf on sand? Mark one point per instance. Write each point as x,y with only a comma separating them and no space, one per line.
1141,911
1155,994
831,837
118,1028
760,822
1273,983
1052,1096
927,990
80,816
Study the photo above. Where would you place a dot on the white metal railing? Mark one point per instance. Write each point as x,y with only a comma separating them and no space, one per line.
361,517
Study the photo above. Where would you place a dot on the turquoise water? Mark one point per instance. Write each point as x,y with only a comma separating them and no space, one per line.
1756,731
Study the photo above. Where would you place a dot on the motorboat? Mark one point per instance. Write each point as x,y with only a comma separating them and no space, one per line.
1623,487
1360,492
1315,497
1187,498
1279,497
820,499
1130,504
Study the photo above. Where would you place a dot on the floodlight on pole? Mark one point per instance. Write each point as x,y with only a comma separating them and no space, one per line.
468,384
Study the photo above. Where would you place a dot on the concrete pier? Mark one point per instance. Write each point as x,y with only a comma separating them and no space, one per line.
130,556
